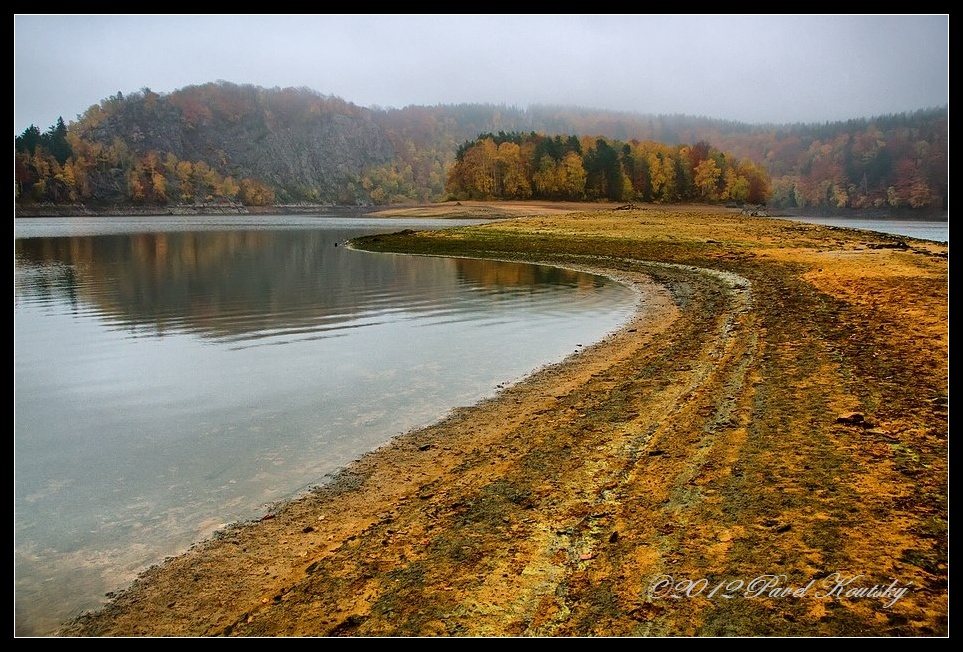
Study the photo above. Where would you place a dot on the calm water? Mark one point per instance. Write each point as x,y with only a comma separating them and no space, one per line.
172,377
925,230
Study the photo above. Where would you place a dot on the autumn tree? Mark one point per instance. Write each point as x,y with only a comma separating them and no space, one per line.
571,176
707,175
511,176
255,193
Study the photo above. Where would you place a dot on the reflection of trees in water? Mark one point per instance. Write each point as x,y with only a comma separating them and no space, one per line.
490,273
235,282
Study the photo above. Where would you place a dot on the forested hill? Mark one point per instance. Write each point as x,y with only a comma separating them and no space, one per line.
227,142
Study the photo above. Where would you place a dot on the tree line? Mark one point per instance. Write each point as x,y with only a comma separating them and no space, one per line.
530,165
151,179
59,167
895,161
228,142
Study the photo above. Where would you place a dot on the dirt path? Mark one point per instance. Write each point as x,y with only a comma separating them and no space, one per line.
708,439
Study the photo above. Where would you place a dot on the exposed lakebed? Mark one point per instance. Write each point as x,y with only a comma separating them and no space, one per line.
173,375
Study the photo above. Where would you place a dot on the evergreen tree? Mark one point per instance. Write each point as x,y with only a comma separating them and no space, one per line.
28,140
55,141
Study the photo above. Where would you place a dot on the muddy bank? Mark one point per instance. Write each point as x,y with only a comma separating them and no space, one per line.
714,437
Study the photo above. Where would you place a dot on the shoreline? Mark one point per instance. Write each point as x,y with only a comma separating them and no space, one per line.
469,209
710,437
31,211
439,210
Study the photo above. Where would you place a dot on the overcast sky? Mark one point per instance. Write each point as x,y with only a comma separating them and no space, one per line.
750,68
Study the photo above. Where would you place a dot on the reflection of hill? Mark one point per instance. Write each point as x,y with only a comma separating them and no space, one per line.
219,283
245,283
490,273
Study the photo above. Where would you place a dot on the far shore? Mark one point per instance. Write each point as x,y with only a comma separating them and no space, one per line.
437,210
93,210
777,408
496,209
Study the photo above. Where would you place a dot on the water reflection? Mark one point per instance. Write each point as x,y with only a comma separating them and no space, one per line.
149,407
243,284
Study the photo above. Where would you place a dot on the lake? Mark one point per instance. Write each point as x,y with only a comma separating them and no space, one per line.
176,374
923,229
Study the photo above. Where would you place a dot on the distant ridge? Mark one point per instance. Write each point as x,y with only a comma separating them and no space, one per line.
224,142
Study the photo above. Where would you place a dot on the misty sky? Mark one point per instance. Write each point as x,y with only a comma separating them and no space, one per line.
750,68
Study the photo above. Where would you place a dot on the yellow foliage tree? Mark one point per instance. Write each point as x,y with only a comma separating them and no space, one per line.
159,183
707,175
511,174
229,188
571,176
736,187
183,171
546,179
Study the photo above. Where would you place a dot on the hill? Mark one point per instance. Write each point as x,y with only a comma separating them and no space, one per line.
223,142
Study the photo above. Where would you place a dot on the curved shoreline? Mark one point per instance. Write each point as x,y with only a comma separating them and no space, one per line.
291,517
620,304
713,440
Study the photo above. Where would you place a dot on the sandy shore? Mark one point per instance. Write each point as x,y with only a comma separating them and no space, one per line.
778,406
